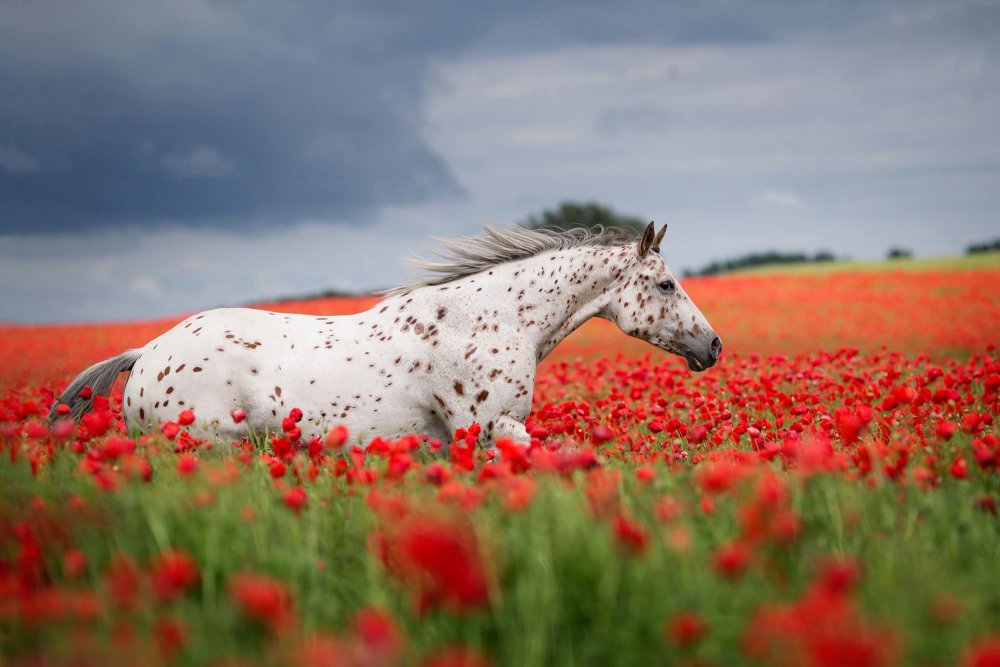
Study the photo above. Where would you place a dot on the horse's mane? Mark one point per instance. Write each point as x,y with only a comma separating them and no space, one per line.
498,245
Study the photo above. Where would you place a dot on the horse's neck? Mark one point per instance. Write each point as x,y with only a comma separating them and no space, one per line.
546,298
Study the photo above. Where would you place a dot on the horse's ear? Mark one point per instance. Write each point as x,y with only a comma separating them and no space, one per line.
646,242
659,237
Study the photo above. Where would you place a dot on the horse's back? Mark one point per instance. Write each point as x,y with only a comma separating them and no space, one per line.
265,364
226,359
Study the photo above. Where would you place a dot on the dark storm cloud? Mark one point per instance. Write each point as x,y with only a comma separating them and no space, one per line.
192,112
198,112
202,112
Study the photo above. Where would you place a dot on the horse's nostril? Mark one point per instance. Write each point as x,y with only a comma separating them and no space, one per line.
715,347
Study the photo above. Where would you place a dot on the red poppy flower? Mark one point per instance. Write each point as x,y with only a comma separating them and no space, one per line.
336,438
379,634
186,464
263,599
74,563
171,636
170,429
295,498
686,628
601,434
945,429
630,534
731,560
173,573
123,581
984,652
439,558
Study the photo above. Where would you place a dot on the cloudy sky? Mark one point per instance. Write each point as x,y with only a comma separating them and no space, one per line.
163,157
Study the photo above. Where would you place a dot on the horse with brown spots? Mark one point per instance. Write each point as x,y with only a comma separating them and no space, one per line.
415,363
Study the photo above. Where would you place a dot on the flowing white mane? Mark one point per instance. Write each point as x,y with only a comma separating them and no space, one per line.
498,245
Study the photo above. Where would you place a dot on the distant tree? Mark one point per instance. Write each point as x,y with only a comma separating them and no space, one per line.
986,246
899,253
332,293
588,215
760,259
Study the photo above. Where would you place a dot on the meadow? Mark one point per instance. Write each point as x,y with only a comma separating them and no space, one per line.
826,495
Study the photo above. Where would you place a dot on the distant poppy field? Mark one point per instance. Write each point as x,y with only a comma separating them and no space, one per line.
826,495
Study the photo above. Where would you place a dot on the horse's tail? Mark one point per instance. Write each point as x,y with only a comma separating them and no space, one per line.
99,378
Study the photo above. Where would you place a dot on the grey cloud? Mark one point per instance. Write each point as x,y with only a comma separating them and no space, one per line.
217,114
110,274
201,162
16,161
201,114
639,118
345,134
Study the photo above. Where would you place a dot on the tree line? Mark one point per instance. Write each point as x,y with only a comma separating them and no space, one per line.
591,215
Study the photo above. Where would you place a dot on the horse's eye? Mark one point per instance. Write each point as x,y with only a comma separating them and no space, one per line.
667,286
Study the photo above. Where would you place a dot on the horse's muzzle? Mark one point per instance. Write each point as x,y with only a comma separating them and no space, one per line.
702,359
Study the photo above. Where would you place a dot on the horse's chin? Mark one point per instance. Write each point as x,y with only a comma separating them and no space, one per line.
697,365
694,364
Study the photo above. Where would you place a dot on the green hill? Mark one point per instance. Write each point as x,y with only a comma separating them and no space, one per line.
959,263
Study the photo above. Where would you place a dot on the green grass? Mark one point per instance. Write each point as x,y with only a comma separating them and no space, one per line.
567,593
961,263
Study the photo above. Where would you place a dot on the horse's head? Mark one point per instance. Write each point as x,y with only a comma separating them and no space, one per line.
650,304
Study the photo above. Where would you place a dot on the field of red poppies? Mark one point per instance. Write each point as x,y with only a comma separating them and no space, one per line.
826,495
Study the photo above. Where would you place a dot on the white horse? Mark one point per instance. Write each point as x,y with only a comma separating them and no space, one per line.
435,355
